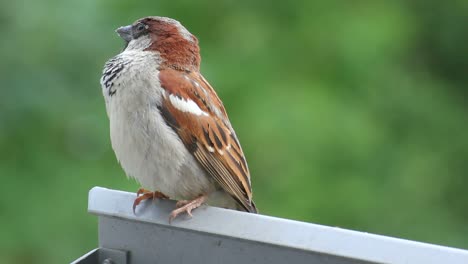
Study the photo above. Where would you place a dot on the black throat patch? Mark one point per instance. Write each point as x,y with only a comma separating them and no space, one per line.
112,69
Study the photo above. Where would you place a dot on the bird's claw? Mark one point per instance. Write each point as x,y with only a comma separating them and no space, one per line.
143,194
186,206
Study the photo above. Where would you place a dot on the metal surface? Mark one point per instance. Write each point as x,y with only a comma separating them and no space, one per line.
103,256
216,235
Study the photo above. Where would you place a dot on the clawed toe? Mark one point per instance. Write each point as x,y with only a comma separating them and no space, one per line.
143,197
186,206
143,194
141,191
181,203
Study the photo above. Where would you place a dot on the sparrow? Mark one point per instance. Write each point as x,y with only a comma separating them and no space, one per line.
168,128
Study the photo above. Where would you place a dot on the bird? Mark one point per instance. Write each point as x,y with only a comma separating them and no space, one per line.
168,128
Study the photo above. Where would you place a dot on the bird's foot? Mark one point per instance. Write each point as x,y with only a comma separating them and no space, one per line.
186,206
143,194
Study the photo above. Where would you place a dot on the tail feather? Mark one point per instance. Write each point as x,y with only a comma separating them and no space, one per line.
251,209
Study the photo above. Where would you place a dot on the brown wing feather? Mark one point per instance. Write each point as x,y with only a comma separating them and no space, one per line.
210,138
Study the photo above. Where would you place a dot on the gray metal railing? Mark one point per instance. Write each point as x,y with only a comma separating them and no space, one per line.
216,235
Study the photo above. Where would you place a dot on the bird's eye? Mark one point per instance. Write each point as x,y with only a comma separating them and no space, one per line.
139,30
141,27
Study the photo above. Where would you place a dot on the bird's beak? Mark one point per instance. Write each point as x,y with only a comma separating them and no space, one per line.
125,32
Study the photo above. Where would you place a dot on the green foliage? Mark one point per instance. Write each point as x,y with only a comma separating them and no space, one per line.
351,114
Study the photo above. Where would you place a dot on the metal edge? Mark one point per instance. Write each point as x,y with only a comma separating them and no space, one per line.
276,231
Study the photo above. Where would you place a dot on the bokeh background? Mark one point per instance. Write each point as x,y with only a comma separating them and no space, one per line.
351,113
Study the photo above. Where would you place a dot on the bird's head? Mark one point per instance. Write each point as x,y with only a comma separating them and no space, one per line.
176,46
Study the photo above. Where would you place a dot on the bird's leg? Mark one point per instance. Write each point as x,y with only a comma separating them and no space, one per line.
142,191
186,206
143,194
181,203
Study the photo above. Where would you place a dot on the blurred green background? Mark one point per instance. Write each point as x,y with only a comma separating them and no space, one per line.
351,114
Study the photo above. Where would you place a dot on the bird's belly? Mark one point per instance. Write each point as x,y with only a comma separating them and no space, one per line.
153,154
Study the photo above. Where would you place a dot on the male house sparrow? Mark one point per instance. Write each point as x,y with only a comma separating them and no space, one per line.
168,128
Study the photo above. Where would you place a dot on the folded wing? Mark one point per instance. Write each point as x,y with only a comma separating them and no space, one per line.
194,111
